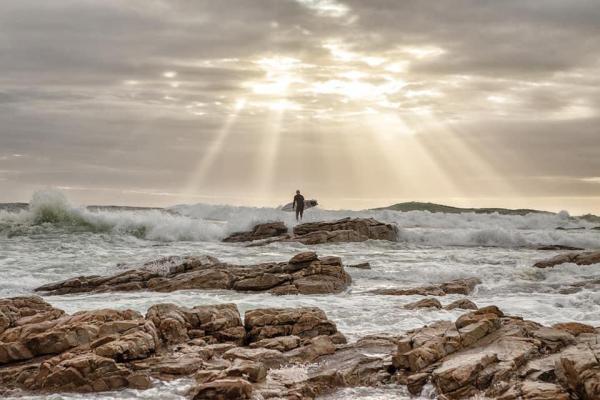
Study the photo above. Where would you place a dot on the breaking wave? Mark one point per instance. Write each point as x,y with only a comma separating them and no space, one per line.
50,210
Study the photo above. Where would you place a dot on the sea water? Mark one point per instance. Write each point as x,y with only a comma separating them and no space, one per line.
54,240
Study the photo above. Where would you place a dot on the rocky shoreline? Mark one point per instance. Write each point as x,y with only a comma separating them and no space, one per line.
483,352
228,355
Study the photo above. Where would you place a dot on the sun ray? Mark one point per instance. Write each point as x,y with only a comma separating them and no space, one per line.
198,176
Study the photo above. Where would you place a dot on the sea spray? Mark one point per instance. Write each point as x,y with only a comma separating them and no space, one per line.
50,211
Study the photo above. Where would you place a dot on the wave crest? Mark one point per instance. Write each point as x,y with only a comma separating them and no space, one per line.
50,210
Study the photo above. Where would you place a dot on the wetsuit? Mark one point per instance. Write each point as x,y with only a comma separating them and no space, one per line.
298,205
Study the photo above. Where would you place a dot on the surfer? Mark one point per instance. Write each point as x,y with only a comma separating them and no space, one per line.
298,205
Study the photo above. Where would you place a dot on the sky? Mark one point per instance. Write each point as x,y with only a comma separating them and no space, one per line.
356,103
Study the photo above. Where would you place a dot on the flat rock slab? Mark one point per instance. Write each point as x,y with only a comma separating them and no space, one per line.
458,286
305,273
582,258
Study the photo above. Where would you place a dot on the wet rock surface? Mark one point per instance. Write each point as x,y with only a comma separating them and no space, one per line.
290,353
581,258
340,231
259,232
364,265
305,273
101,350
489,354
458,286
554,247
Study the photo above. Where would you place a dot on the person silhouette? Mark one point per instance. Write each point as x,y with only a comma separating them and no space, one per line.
298,205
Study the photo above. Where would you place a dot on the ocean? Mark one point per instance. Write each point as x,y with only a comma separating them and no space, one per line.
52,240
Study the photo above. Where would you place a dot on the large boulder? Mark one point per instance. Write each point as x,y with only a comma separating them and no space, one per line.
214,323
304,323
365,228
305,273
311,233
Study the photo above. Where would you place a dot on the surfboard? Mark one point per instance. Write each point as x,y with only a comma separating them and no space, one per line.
307,204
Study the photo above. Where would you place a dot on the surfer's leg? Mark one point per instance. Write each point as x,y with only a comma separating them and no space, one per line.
297,213
301,212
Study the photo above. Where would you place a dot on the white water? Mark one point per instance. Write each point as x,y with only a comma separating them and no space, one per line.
55,240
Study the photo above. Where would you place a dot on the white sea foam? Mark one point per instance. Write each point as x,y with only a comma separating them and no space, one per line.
201,222
55,240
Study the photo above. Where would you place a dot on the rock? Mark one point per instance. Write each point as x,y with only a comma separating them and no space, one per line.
306,323
224,389
270,358
425,303
558,247
366,227
253,371
578,368
487,354
259,232
56,336
530,390
341,231
364,265
582,258
305,257
363,363
103,350
305,273
140,343
18,311
281,343
554,339
574,328
218,323
465,304
458,286
315,348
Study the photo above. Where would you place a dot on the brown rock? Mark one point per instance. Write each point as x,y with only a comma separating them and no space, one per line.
341,231
458,286
220,323
259,232
554,247
425,303
365,227
316,347
364,265
224,389
300,258
305,273
529,390
270,358
305,323
578,368
281,343
574,328
581,258
465,304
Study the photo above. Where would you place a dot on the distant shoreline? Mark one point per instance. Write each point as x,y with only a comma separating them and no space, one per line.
402,207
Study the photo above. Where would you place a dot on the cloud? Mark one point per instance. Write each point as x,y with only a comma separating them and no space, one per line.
118,93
